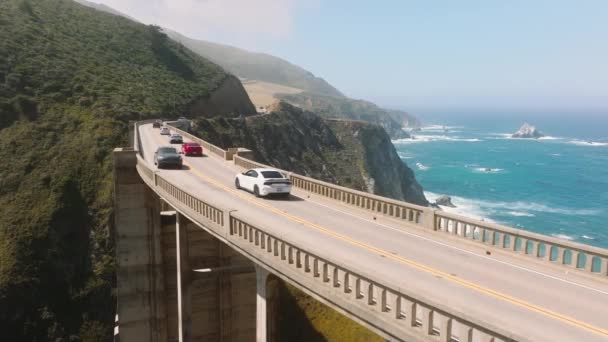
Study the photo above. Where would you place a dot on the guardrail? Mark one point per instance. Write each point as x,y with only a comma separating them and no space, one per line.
388,304
388,308
248,164
206,145
201,208
541,247
408,212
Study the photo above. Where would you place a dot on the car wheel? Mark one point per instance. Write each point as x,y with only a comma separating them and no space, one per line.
256,191
237,184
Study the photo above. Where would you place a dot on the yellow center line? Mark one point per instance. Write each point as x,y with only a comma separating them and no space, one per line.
402,260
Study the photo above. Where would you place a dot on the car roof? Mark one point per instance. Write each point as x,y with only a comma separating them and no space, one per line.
262,169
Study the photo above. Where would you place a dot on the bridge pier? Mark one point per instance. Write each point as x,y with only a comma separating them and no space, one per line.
261,305
160,297
140,286
184,280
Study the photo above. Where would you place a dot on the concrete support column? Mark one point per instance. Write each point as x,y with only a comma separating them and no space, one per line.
261,276
140,285
184,280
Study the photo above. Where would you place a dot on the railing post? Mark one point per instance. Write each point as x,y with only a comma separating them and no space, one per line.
446,329
428,219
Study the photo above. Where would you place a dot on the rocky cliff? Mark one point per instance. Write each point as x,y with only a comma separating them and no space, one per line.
393,121
354,154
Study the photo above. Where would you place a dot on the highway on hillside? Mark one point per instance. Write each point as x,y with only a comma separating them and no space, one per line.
508,290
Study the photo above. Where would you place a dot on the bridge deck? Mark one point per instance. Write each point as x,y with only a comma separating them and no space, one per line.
511,291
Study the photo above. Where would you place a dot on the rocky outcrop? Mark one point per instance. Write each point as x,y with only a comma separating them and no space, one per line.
527,131
393,121
445,201
354,154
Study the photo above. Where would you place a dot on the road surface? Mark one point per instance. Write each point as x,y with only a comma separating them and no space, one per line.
542,302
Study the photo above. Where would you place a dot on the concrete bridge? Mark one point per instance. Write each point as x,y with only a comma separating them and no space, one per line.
198,260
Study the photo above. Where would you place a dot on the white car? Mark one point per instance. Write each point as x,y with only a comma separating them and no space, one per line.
164,131
263,182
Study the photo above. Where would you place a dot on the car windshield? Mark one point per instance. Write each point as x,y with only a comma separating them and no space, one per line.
192,145
271,174
166,150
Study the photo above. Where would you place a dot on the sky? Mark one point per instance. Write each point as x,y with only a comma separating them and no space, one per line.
465,55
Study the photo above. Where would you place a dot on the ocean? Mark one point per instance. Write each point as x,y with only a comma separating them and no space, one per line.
557,185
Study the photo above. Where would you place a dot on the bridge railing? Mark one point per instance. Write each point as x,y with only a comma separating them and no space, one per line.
400,210
203,209
377,204
247,163
359,291
541,247
571,255
392,309
206,145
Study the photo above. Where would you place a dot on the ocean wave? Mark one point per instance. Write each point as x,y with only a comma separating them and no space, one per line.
521,214
439,128
428,138
464,207
476,208
404,155
509,136
422,167
488,170
563,237
588,143
587,237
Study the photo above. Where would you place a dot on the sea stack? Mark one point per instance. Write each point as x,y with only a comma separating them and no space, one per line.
445,201
527,131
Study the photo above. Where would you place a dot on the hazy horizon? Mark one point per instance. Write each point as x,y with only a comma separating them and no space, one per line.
540,56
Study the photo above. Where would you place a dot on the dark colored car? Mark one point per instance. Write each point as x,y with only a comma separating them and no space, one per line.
192,149
157,124
176,139
167,156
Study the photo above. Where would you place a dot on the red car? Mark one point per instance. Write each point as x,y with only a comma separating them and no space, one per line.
192,149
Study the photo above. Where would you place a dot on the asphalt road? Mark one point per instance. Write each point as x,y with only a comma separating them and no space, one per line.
543,302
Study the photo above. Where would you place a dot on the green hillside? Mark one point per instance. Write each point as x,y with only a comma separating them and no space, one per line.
70,80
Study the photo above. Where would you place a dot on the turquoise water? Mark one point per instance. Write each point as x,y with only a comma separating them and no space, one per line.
556,186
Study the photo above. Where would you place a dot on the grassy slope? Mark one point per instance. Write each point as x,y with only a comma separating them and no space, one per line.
258,66
70,79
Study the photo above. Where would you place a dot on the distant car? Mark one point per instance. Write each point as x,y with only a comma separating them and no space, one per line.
176,139
157,124
192,149
263,182
164,131
182,119
167,156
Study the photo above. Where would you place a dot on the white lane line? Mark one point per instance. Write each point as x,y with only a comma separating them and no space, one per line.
462,250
